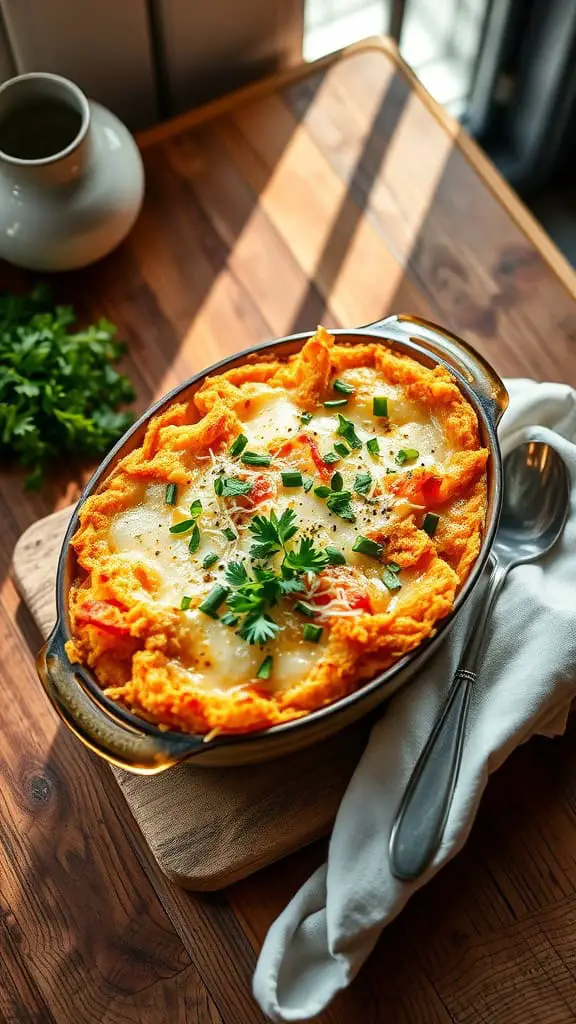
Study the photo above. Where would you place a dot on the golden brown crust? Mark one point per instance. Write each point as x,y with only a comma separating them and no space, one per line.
136,646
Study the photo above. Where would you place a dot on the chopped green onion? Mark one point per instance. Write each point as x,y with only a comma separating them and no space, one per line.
305,609
305,417
365,546
430,523
185,604
229,533
210,559
307,483
379,406
238,446
341,449
343,388
265,670
335,403
390,579
373,446
335,557
195,508
171,494
393,566
312,633
183,527
229,619
292,479
363,483
330,457
194,542
218,486
322,491
337,481
212,602
406,455
255,459
347,431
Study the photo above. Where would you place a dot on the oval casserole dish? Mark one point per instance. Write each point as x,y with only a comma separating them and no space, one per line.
246,573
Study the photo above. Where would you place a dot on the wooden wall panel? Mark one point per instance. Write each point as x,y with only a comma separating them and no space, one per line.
207,47
103,45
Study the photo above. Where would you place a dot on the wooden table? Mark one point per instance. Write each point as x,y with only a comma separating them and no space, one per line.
337,197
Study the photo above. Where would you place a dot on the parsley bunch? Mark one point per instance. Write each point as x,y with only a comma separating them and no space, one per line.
254,594
59,391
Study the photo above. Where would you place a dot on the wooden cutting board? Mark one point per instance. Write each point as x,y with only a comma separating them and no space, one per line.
209,827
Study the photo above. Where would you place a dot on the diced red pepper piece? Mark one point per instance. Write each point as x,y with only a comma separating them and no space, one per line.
289,447
421,489
361,602
104,615
262,489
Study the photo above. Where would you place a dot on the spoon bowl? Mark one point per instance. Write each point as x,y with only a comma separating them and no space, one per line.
535,504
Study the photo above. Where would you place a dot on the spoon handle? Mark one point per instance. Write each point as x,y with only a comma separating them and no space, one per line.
421,817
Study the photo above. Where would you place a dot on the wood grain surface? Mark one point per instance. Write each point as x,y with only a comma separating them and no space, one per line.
342,193
209,828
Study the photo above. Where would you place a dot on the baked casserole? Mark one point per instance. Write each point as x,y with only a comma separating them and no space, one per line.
292,530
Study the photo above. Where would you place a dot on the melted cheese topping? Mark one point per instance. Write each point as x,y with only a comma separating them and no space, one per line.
141,533
137,607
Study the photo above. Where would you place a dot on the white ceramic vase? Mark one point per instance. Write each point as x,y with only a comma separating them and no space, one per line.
71,175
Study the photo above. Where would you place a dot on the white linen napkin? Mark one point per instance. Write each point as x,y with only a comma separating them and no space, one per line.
527,679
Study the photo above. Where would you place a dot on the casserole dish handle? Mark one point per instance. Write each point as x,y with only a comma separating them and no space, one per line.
476,371
121,744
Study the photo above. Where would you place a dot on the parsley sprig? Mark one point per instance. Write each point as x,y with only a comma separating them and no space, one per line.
252,597
305,558
272,534
254,593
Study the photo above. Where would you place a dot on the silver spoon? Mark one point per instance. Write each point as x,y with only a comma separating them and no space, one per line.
534,512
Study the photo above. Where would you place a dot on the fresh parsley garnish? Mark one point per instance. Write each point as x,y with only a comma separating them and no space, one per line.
251,600
347,430
254,594
291,586
59,392
194,542
183,527
236,573
339,503
341,449
231,486
272,534
305,558
363,483
190,524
